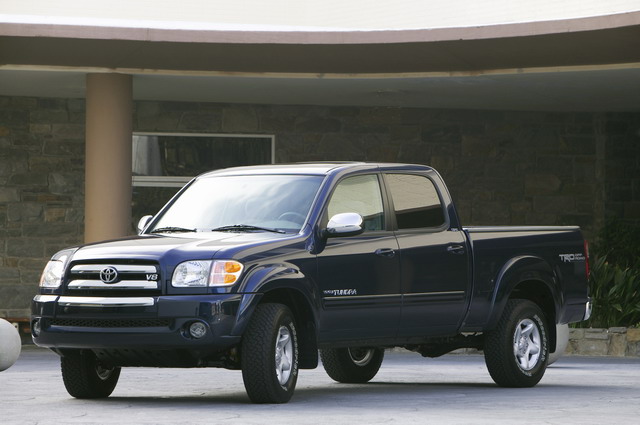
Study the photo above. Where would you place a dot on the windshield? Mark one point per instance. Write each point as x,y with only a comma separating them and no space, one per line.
242,203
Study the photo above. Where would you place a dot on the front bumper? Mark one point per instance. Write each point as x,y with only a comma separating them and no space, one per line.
150,323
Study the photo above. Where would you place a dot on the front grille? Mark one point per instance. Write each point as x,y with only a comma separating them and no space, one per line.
112,323
117,275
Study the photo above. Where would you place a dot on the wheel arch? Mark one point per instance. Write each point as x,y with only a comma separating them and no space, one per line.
541,295
305,320
530,278
294,291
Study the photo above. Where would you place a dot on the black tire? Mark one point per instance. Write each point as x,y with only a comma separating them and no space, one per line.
352,365
85,377
267,378
516,352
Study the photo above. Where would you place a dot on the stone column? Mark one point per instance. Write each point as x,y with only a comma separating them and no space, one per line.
108,156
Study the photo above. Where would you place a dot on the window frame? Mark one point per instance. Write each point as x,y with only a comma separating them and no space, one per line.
180,181
383,194
394,222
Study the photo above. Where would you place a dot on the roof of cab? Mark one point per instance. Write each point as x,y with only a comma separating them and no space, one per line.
308,168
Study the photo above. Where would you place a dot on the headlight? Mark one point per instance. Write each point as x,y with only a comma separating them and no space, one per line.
191,273
52,274
204,273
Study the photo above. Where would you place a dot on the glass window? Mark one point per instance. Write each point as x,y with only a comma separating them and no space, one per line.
161,157
272,201
359,194
164,162
415,200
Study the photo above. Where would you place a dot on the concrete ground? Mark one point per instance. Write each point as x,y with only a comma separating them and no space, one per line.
454,389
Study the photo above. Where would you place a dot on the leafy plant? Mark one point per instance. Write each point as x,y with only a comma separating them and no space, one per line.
615,293
619,241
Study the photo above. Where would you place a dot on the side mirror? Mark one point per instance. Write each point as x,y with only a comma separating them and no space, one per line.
345,224
144,221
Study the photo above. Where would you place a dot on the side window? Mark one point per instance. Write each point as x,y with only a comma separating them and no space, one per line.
359,194
415,200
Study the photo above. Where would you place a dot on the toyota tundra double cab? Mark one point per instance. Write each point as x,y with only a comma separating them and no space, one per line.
266,269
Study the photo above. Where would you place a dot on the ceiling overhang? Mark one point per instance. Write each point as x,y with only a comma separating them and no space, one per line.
585,41
428,68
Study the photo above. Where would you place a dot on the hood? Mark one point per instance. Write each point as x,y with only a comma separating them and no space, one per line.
176,247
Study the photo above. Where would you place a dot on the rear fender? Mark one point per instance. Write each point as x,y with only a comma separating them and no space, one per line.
526,277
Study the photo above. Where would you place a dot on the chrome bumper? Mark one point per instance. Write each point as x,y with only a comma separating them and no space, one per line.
96,301
587,310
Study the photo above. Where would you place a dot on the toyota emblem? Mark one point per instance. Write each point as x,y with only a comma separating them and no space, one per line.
109,274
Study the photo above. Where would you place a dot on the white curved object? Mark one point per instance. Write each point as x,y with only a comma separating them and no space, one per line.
562,332
10,345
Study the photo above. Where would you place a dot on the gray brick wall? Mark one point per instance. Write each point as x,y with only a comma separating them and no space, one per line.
41,191
520,168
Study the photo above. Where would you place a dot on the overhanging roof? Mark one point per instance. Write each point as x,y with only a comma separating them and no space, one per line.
575,64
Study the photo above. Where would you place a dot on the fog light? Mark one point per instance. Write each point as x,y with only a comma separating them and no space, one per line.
197,330
36,327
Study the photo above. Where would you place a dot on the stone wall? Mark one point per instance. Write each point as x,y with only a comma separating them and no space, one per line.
41,191
618,342
502,167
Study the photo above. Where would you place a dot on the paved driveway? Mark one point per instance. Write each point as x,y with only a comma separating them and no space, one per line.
408,389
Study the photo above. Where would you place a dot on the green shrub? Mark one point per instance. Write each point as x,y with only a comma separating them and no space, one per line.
619,241
615,293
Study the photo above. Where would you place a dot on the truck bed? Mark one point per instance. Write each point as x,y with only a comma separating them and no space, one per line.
503,255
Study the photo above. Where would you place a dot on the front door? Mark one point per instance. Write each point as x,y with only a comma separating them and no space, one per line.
359,275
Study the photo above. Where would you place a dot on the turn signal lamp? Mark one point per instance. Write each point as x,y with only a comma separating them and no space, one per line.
232,267
225,273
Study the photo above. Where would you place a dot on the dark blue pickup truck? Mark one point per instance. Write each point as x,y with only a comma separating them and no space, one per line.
267,268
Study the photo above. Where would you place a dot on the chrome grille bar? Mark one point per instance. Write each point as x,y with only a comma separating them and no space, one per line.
105,301
122,268
125,284
124,276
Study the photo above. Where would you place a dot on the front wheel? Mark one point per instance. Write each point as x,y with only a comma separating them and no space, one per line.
352,365
269,355
84,376
516,352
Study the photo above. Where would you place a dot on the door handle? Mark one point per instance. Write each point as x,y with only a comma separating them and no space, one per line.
386,252
455,249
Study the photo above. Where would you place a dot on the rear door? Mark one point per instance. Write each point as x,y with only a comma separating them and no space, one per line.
434,257
359,275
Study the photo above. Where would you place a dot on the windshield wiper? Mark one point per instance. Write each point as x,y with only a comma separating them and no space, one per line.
169,229
244,228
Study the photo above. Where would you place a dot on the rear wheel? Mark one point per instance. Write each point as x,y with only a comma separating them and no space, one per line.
516,352
352,365
85,376
270,355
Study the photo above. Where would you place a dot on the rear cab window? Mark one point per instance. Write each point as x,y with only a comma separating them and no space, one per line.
416,202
